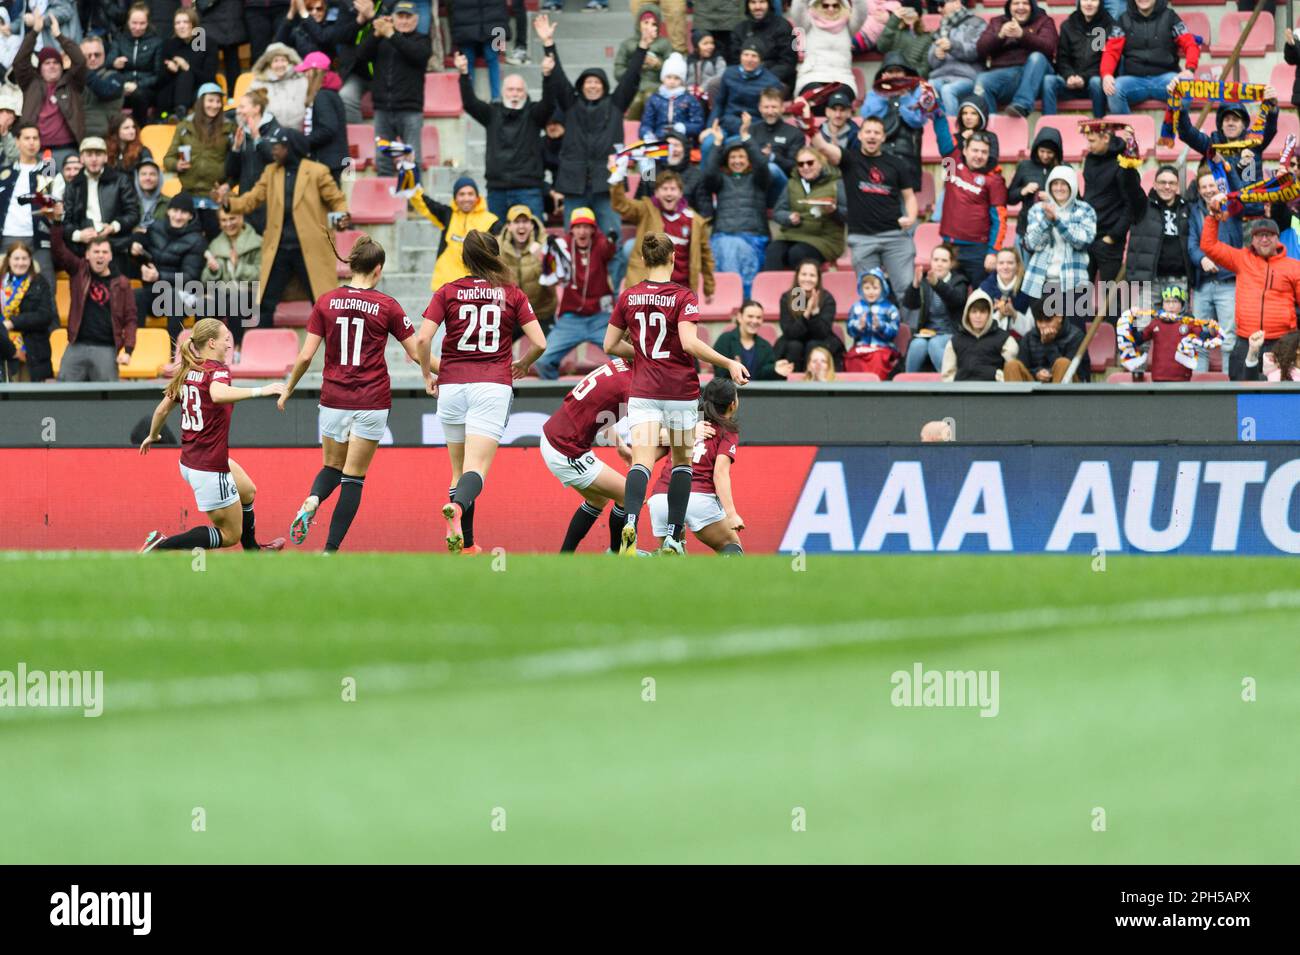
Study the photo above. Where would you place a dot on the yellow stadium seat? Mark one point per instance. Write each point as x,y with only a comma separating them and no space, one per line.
158,139
63,300
221,81
242,82
58,345
152,351
171,186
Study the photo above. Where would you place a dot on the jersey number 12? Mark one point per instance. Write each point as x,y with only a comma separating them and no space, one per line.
654,318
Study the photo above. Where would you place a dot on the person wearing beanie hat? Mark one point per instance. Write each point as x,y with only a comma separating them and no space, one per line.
674,20
467,212
672,108
1232,121
396,53
166,257
739,91
48,84
186,66
646,35
771,34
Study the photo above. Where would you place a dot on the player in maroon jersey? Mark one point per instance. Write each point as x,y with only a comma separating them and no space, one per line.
661,316
711,510
593,406
222,489
472,379
354,322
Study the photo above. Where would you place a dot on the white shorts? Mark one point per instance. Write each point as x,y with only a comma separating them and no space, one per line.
577,472
477,407
213,490
701,511
673,415
341,424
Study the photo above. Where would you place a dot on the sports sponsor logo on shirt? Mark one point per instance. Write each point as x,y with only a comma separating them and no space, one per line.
691,309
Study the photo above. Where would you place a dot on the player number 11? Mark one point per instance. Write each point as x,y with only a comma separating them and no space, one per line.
360,323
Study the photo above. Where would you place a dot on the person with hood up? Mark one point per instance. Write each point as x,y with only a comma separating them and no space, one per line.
938,296
1078,58
828,27
399,53
148,190
467,212
1141,55
1232,121
1019,46
516,169
671,108
11,106
168,256
899,110
980,349
1157,239
811,212
678,160
1031,173
186,66
524,252
905,34
302,204
1060,228
286,89
736,173
953,58
325,123
1214,290
872,326
739,92
593,124
667,212
648,37
974,218
771,34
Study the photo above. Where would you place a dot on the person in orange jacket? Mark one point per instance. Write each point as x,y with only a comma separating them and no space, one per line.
1268,285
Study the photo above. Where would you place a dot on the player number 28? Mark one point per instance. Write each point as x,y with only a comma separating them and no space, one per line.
486,321
647,321
191,409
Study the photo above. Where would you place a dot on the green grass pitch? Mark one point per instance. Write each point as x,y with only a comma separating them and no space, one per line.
500,712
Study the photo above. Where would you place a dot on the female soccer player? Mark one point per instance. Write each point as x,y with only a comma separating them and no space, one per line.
711,511
354,321
661,316
473,378
594,404
201,386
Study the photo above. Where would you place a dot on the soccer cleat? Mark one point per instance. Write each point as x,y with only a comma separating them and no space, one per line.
472,551
298,529
627,548
455,539
672,547
277,544
153,540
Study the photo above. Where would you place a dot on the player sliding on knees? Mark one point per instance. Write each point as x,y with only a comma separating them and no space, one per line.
473,378
354,321
711,510
661,316
222,489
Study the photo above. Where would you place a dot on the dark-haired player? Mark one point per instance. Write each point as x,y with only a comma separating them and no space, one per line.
473,380
354,322
660,316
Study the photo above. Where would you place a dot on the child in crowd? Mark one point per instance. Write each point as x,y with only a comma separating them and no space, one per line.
873,325
1174,336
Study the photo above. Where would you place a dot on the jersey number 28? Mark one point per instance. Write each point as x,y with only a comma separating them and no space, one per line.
646,322
486,321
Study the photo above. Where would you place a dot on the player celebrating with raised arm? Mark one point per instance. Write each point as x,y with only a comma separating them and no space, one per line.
201,386
661,316
711,512
473,378
354,321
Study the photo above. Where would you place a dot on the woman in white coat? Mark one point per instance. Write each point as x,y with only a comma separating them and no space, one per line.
828,27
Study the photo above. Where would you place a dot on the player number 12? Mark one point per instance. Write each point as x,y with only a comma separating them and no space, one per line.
654,318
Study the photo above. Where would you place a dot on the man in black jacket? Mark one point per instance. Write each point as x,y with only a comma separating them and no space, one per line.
170,258
1047,349
593,118
779,141
1078,58
136,53
772,35
19,221
399,55
102,99
100,202
1157,242
1101,191
515,167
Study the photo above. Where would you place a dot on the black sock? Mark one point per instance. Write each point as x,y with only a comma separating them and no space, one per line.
617,518
344,510
467,488
466,516
581,522
638,479
679,495
208,538
249,536
731,549
327,479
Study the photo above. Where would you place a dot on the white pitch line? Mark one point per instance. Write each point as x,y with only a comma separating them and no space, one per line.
380,679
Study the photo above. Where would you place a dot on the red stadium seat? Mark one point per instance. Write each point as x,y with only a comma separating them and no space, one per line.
1009,239
1101,350
430,147
1287,124
1149,178
769,332
861,86
926,238
926,197
1073,142
442,95
292,314
1258,43
929,145
372,202
1144,128
917,376
1013,136
704,334
1198,24
1171,153
768,288
361,145
843,287
586,357
631,131
728,292
344,241
1210,376
856,376
903,338
1283,80
266,353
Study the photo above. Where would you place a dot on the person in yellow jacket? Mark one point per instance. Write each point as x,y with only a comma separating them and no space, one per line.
467,213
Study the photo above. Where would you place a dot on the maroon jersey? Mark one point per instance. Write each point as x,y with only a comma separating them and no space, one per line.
481,321
704,457
355,324
205,425
595,403
651,311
